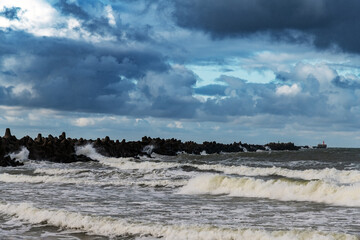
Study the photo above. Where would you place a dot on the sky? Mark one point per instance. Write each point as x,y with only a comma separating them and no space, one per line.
255,71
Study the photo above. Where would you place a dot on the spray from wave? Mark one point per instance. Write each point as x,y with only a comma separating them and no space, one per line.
122,163
20,156
111,227
280,189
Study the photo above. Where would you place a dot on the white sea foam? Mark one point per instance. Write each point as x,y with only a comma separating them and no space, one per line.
148,149
122,163
327,174
330,175
20,178
281,189
20,156
204,153
108,226
59,171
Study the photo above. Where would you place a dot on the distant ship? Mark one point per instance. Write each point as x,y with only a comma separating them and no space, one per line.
323,145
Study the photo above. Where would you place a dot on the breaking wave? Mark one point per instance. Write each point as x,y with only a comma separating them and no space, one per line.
330,175
280,189
20,178
327,174
122,163
108,226
20,156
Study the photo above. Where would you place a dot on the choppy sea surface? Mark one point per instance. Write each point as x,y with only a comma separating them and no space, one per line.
308,194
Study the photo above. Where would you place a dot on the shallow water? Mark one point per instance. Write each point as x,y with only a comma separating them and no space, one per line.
309,194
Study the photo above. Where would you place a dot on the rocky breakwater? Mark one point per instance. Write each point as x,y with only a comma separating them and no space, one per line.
56,149
63,150
7,143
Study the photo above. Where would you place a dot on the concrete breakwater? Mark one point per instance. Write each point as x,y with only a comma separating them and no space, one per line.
63,150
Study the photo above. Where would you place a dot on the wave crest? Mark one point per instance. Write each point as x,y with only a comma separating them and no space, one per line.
327,174
20,156
108,226
122,163
20,178
280,189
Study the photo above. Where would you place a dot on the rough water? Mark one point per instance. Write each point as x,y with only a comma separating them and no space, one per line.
309,194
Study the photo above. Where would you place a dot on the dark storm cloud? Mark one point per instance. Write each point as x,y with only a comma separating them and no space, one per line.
132,76
72,9
71,75
171,93
93,19
283,76
211,90
10,13
93,23
244,98
327,22
346,83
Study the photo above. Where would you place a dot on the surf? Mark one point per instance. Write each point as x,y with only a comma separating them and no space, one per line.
38,179
111,227
278,189
330,175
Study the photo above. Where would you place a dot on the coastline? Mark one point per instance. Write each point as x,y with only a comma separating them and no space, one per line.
63,150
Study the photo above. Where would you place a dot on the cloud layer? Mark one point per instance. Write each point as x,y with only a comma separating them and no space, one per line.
325,22
155,60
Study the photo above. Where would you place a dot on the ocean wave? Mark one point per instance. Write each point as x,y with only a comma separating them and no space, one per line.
330,175
280,189
327,174
20,156
59,171
110,226
20,178
122,163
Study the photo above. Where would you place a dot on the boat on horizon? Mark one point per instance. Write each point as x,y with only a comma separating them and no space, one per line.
322,145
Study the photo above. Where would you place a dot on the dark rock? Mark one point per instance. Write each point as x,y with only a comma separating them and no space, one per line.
7,133
62,136
282,146
83,158
62,149
38,138
8,162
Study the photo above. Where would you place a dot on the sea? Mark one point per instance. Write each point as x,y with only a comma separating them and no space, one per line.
306,194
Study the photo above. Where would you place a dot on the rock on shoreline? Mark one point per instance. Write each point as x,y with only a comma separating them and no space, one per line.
63,150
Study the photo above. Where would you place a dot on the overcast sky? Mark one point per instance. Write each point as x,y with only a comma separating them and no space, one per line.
233,70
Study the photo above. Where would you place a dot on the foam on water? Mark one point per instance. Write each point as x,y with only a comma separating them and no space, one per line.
108,226
59,171
20,156
330,175
327,174
20,178
122,163
281,189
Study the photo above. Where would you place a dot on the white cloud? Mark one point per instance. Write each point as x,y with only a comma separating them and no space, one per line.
40,19
288,90
19,90
175,124
216,128
36,17
322,72
84,122
110,15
